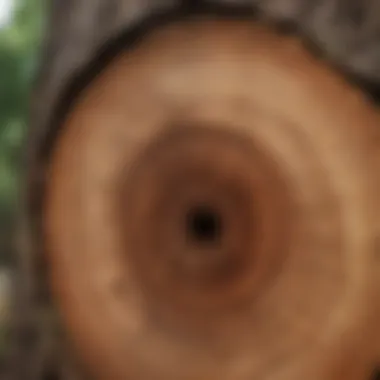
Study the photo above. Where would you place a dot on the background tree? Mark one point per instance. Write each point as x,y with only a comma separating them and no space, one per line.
19,41
18,57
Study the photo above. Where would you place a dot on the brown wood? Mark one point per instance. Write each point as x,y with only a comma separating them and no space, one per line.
75,32
232,116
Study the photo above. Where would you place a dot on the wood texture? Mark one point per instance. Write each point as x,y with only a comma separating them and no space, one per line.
75,31
345,32
249,124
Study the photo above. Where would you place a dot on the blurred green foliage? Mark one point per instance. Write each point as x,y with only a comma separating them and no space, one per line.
19,43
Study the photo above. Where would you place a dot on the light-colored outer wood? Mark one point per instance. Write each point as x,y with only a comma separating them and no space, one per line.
314,134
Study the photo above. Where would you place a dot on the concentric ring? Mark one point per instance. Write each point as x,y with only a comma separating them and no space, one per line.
226,123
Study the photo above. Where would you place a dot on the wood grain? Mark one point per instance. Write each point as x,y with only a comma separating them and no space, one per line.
236,117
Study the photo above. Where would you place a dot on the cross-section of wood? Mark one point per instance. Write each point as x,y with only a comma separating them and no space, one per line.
211,212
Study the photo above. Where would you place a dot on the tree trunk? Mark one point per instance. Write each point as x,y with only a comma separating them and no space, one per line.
79,32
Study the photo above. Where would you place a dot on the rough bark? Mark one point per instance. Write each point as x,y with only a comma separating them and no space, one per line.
345,32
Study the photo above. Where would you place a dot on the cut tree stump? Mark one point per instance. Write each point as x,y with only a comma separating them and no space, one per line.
201,197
